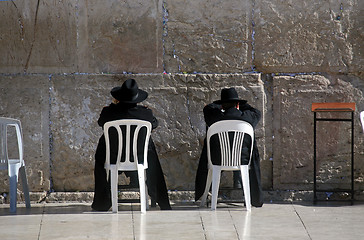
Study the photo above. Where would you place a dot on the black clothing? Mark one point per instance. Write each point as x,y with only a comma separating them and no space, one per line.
212,114
155,179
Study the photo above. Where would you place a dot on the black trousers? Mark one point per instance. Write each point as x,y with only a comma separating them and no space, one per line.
156,184
256,193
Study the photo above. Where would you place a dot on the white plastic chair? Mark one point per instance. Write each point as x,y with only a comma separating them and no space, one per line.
14,166
230,157
127,165
362,119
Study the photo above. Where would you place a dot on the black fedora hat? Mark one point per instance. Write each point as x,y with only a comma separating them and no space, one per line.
129,92
229,95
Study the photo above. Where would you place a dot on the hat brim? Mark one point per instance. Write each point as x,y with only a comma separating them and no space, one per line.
241,101
142,95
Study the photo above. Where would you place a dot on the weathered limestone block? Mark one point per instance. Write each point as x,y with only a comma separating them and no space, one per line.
76,102
38,36
81,36
27,98
207,36
293,132
175,139
120,36
14,35
309,36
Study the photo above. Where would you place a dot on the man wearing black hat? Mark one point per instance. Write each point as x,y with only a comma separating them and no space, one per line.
124,106
230,107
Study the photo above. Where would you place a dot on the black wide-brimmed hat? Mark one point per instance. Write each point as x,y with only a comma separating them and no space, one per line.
129,92
229,95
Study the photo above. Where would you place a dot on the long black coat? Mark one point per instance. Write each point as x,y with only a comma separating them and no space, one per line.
155,179
212,114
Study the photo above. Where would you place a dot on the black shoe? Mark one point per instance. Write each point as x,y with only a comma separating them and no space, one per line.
257,205
101,207
165,207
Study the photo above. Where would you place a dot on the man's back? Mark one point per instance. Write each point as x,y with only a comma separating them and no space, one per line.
213,113
124,111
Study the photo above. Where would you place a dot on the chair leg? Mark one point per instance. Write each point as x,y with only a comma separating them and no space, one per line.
13,193
13,179
142,189
23,177
246,185
207,187
146,191
114,189
216,171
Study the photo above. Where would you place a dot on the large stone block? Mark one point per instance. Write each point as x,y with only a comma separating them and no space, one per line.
120,36
81,36
309,36
207,36
38,36
27,98
293,132
175,138
76,102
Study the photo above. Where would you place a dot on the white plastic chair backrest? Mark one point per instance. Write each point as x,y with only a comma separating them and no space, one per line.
230,156
127,164
362,119
4,123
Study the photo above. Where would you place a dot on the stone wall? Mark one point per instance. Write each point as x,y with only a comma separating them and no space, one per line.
59,60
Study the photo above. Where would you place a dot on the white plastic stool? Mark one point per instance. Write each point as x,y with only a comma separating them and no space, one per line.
14,166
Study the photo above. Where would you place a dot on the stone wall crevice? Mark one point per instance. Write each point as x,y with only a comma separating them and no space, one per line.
50,134
34,38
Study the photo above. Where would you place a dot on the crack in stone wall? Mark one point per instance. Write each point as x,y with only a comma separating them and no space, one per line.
34,37
50,133
165,30
253,68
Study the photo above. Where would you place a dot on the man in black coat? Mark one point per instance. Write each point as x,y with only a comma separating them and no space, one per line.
125,106
230,107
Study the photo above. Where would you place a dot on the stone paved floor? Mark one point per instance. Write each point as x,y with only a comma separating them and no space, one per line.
185,221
